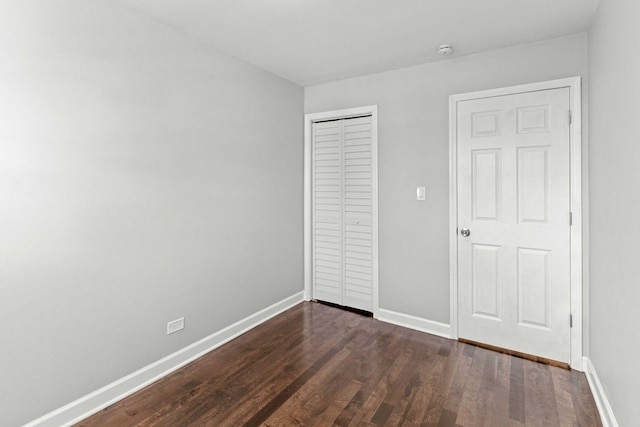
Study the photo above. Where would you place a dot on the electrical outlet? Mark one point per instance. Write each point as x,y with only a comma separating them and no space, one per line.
420,193
175,326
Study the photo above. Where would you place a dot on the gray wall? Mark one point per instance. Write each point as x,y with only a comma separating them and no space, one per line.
413,120
143,177
614,64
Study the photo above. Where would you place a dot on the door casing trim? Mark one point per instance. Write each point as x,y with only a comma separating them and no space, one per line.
309,119
576,234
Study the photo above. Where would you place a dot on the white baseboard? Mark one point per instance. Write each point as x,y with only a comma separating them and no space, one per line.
93,402
413,322
599,395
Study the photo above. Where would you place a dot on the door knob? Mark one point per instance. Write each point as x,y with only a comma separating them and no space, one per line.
465,232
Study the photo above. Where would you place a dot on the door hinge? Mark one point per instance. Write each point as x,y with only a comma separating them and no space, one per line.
571,320
570,218
570,117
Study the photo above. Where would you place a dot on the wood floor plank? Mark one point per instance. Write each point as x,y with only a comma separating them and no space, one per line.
431,370
310,404
447,419
460,380
317,385
540,398
583,402
287,370
471,410
266,411
495,383
401,398
376,398
442,388
372,370
278,374
516,390
317,365
285,374
562,391
338,404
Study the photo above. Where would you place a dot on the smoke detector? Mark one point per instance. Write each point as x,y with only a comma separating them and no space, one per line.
445,49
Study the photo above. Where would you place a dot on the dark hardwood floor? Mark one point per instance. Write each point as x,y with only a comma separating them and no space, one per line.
317,365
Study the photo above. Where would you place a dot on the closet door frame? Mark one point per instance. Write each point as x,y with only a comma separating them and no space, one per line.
309,120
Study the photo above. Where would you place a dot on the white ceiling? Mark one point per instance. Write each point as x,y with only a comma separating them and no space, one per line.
314,41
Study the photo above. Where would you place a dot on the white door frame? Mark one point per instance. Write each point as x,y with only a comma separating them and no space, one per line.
309,119
575,136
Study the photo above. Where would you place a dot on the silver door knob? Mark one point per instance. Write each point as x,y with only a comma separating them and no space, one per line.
465,232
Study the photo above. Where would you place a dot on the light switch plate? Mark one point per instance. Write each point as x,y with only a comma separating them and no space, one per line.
420,193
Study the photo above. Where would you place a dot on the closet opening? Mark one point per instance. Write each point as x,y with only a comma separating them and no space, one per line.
341,215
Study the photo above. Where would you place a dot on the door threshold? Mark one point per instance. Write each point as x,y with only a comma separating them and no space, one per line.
519,354
344,307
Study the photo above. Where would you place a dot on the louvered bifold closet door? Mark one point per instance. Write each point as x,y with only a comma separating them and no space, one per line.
327,212
358,213
343,248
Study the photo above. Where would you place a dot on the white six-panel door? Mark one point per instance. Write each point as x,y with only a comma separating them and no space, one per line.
514,199
342,210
